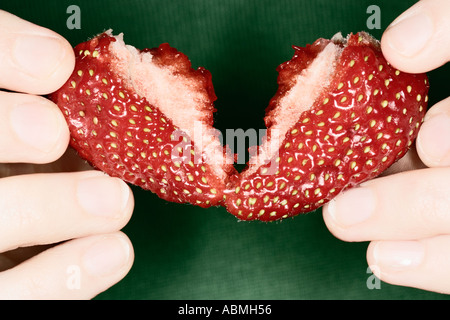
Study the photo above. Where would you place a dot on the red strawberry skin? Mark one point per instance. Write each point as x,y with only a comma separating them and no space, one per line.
121,133
365,120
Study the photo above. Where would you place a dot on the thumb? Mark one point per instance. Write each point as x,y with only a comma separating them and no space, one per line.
33,59
419,39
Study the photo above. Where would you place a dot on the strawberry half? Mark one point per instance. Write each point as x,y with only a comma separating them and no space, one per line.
146,117
341,116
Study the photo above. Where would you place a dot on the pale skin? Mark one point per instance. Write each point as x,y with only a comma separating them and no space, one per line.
405,215
64,200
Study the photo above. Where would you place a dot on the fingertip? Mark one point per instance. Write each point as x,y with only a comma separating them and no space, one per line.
41,126
433,141
347,211
406,39
109,255
44,63
396,255
419,263
371,261
418,40
36,60
77,269
34,130
103,196
105,261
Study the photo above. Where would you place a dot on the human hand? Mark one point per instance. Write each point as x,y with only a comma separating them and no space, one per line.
406,216
81,211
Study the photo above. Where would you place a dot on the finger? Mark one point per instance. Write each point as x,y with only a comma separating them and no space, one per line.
33,59
409,205
433,141
419,39
32,129
77,269
48,208
421,264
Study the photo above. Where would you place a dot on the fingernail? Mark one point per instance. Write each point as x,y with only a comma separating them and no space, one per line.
103,196
434,139
409,33
36,125
37,56
398,255
352,207
106,256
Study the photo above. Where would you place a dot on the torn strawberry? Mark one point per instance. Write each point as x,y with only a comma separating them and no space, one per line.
146,117
341,116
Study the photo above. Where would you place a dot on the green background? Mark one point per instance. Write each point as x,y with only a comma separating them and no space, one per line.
184,252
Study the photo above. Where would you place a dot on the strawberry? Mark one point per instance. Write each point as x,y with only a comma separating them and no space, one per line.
342,115
134,115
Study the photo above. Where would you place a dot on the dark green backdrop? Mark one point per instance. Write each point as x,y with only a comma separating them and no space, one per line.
184,252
